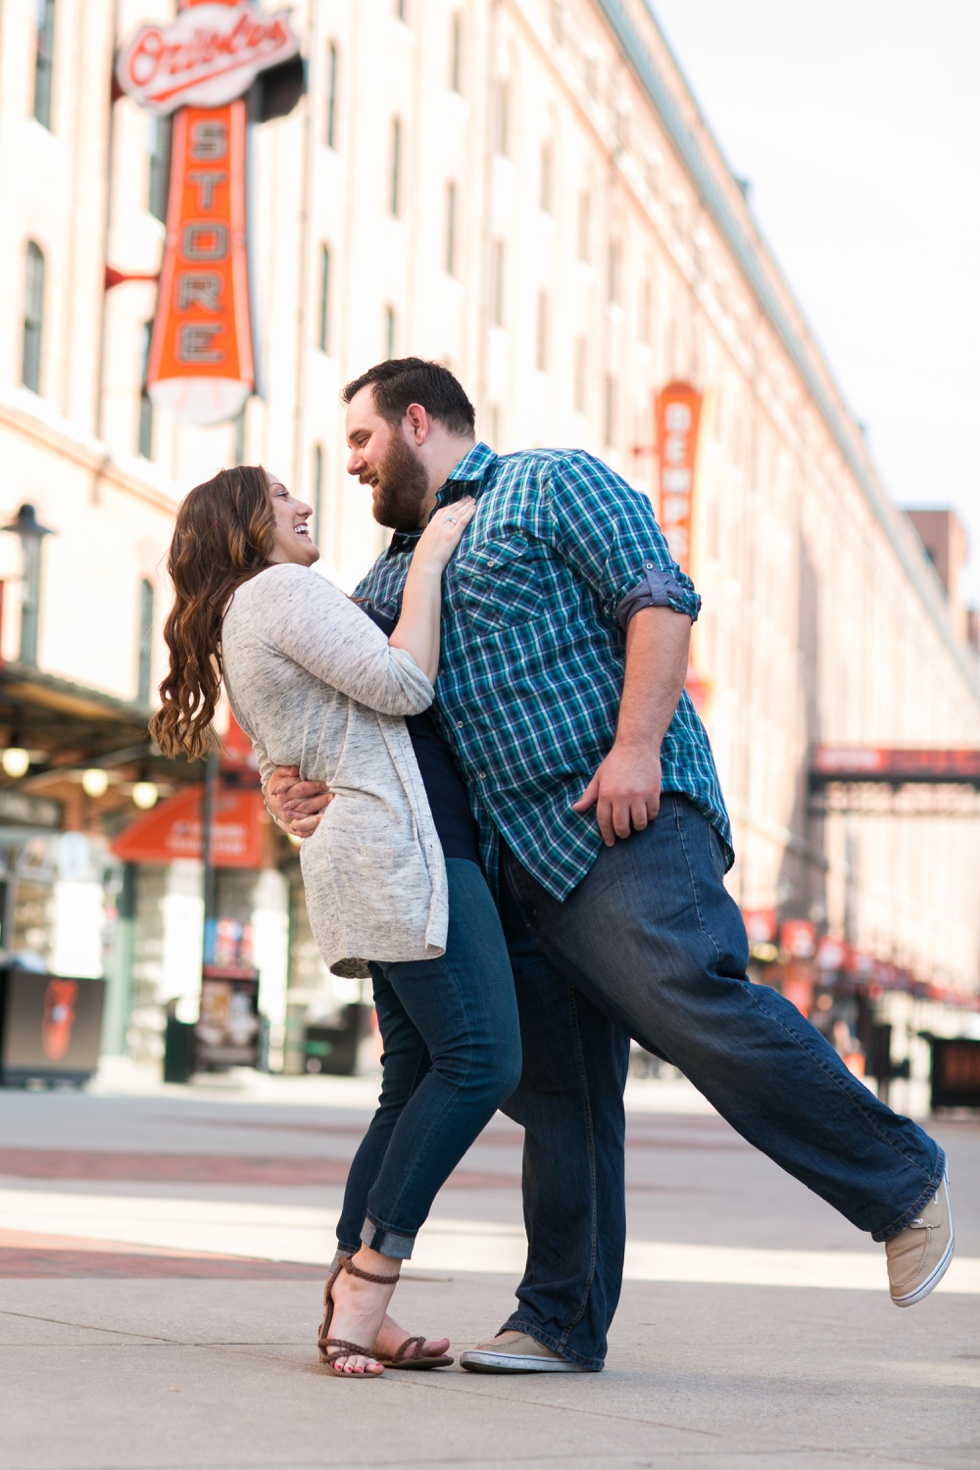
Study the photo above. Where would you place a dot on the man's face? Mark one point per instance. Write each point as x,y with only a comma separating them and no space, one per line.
382,456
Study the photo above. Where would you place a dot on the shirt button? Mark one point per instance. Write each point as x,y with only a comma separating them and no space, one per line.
649,566
459,725
483,775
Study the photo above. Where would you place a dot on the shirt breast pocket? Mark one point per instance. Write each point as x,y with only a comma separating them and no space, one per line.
501,584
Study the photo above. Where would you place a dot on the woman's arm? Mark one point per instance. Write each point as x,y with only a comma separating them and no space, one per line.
417,629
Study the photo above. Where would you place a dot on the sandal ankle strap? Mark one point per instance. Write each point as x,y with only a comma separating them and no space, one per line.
348,1265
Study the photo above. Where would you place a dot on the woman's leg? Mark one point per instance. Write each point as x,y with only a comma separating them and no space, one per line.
464,1011
405,1061
464,1008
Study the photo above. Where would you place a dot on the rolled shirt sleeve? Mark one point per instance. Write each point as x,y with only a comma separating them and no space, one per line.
659,588
607,532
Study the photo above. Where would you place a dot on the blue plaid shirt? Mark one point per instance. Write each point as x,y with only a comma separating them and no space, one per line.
559,555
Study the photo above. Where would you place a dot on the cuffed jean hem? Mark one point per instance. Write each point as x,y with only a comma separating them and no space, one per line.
378,1237
517,1323
904,1221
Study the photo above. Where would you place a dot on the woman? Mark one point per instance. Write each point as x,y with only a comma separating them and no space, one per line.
392,873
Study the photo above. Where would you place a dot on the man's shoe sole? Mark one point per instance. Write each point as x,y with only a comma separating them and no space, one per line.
487,1362
931,1281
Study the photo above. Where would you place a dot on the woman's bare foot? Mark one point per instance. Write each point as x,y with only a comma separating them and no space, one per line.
360,1308
391,1337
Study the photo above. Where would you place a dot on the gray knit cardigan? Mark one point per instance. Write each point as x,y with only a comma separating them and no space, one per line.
315,683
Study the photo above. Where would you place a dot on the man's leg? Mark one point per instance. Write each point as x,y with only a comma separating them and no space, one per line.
569,1103
653,937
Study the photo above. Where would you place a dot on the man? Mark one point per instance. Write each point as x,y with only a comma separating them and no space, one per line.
566,628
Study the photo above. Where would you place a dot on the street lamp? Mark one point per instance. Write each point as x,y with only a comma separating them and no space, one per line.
28,528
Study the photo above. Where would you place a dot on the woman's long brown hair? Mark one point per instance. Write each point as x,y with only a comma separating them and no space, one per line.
225,534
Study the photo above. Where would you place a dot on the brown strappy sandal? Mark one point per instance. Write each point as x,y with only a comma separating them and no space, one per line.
332,1348
410,1354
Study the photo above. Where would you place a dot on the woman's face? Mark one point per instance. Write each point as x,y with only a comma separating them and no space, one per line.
293,540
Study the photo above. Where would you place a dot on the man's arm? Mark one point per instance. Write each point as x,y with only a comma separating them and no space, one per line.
625,790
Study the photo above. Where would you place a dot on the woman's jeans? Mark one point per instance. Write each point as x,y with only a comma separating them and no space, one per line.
452,1055
650,944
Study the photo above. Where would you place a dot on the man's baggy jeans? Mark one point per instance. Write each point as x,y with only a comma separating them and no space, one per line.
651,945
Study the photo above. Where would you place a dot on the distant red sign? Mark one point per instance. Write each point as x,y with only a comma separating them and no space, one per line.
799,938
849,763
832,954
760,925
173,830
678,411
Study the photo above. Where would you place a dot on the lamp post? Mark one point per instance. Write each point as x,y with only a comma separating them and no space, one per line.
28,528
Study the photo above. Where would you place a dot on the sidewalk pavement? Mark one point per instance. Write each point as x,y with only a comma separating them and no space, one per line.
161,1264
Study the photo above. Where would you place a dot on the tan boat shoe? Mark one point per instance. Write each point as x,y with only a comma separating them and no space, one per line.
515,1352
919,1257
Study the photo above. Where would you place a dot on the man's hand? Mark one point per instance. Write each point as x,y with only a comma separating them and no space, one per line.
625,791
297,805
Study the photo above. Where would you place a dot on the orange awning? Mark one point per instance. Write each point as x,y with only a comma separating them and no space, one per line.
173,830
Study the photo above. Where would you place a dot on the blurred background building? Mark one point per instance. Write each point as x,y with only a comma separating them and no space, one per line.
529,192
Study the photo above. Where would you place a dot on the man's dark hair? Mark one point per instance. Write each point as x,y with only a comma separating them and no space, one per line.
404,380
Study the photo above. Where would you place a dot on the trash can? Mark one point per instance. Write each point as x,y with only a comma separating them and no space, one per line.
334,1049
955,1072
178,1048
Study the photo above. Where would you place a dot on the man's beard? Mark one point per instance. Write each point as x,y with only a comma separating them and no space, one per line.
402,488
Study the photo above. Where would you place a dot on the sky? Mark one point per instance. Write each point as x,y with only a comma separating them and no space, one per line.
857,124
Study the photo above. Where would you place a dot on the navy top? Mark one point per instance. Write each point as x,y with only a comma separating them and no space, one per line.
443,784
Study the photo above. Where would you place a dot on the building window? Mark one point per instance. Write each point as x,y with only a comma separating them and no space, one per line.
591,75
144,674
389,332
161,133
44,62
613,272
323,325
546,182
502,118
396,167
541,344
646,311
578,384
456,53
238,448
330,131
451,229
498,283
317,490
401,11
610,409
584,224
30,372
144,434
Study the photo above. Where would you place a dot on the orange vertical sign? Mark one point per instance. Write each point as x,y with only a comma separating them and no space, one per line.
201,366
678,409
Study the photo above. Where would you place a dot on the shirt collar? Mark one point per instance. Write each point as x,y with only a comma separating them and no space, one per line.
468,476
466,479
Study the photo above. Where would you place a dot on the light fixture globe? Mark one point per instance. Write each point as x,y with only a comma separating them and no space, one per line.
95,782
145,795
15,761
